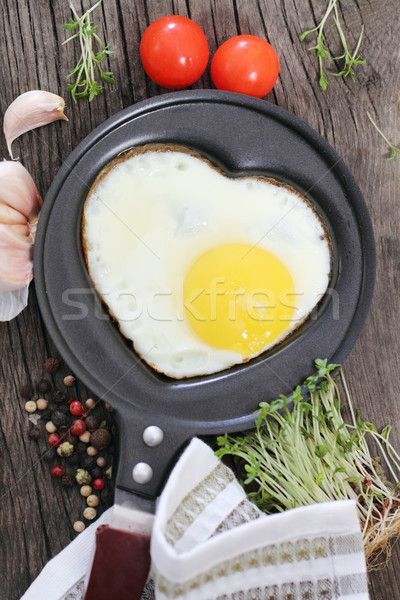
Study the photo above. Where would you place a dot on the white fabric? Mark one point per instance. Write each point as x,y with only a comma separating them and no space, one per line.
210,542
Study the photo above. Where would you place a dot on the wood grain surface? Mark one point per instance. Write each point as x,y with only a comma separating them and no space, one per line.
36,513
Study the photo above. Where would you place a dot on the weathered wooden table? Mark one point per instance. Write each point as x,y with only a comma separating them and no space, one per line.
36,513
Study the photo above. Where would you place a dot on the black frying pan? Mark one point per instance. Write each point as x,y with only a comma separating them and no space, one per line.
242,135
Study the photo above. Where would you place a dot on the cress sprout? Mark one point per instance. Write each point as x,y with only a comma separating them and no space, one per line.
302,452
84,74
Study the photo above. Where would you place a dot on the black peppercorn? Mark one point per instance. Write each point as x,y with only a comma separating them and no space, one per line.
59,397
68,480
81,447
107,496
100,439
96,472
44,386
26,391
91,423
35,432
52,365
59,418
110,449
46,414
88,462
49,455
73,459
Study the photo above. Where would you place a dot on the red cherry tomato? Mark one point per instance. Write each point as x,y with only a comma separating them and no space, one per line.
174,51
246,64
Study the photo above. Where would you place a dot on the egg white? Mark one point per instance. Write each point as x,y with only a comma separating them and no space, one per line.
152,214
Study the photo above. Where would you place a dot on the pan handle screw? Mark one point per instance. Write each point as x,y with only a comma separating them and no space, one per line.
142,473
153,436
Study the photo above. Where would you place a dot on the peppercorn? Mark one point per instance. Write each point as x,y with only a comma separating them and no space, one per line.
107,496
88,462
96,472
101,461
52,365
54,440
81,448
79,526
65,449
85,491
35,432
59,418
44,386
69,380
92,500
91,423
49,455
26,391
92,451
57,471
64,408
100,439
108,407
41,404
73,459
82,477
76,408
108,473
110,449
78,428
30,406
68,480
90,403
66,434
89,513
99,483
50,427
85,437
59,397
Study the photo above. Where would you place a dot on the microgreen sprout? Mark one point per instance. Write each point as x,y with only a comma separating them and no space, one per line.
84,74
302,452
395,150
348,60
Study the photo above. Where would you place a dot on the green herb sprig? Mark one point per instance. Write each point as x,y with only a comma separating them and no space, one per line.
302,452
84,74
348,60
395,150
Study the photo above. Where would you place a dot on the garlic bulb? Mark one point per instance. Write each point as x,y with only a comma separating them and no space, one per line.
19,198
20,205
30,110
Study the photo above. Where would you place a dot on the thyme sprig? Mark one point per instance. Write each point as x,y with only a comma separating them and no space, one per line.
348,60
395,150
84,74
302,452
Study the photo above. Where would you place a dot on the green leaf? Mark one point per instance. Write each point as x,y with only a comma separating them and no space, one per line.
320,477
320,451
353,479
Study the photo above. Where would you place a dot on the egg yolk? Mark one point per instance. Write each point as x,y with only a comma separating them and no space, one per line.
239,297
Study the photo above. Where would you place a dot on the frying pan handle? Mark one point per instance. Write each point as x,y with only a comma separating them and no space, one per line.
121,565
147,451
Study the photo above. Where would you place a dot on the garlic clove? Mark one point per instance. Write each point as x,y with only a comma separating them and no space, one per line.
10,216
13,302
18,190
16,249
29,111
